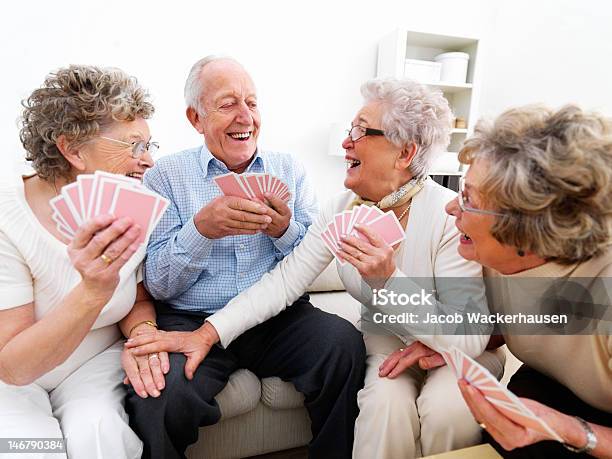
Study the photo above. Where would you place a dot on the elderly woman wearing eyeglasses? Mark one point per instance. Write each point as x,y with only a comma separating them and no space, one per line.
536,211
404,410
65,305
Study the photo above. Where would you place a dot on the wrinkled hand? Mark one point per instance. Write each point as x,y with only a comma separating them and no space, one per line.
195,345
402,359
145,373
103,235
510,433
229,216
280,213
372,258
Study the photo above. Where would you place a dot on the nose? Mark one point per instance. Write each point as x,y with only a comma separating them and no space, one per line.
347,142
243,116
146,160
452,208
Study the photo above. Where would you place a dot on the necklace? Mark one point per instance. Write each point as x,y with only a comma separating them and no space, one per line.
404,212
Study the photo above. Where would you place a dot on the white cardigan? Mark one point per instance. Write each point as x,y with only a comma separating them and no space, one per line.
428,251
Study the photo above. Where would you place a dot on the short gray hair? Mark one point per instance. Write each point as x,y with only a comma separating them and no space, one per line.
412,112
193,85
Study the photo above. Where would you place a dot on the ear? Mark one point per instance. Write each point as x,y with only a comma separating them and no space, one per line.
195,119
73,155
404,160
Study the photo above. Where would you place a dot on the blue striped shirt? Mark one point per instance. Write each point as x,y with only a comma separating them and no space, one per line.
197,274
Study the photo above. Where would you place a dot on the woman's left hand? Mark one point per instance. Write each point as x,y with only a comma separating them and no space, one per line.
372,258
402,359
511,433
145,372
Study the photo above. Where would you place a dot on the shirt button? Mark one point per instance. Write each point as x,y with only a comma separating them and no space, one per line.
242,246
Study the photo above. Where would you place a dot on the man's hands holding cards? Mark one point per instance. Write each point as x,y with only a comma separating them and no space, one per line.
251,203
230,216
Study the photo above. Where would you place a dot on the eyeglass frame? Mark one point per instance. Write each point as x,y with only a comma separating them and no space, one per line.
135,154
465,208
367,131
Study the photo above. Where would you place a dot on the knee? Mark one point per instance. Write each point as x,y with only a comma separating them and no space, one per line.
340,337
175,405
448,416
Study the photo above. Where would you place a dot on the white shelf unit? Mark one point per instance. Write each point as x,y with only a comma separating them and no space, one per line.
402,44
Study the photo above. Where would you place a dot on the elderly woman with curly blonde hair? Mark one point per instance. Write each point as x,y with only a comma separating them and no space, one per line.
64,304
536,211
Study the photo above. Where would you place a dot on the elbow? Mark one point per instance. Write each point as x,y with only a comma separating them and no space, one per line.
14,380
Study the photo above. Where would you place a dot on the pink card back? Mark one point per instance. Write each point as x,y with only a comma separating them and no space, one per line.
229,186
138,205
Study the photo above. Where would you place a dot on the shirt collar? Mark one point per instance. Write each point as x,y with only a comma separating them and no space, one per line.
209,162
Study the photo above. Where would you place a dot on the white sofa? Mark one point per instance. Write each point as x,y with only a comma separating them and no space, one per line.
262,416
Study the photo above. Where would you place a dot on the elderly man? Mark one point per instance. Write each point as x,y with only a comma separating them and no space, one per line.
208,248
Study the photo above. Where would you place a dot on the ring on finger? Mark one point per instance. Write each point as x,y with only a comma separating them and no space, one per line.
482,425
106,259
153,356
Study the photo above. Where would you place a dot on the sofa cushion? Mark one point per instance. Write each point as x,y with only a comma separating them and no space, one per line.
279,394
240,395
328,280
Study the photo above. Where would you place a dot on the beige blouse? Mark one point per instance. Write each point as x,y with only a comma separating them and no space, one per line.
581,362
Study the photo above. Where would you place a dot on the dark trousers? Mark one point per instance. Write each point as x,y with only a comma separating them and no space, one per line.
322,354
529,383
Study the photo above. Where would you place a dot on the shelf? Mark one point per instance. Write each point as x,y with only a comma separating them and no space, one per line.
453,173
449,88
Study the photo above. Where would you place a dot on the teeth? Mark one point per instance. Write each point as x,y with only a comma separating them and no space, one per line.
352,163
467,237
240,135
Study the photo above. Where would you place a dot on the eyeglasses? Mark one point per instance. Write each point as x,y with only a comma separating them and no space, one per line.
138,148
357,132
464,208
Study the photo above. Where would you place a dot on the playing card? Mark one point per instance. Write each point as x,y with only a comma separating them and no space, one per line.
253,184
85,182
231,186
504,400
62,226
71,195
330,244
346,218
139,205
338,222
60,207
261,181
388,227
103,191
245,185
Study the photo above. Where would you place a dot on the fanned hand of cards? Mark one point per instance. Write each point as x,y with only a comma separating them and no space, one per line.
104,193
386,225
251,186
505,401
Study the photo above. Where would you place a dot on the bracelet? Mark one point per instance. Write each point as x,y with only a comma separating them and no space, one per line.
591,439
147,322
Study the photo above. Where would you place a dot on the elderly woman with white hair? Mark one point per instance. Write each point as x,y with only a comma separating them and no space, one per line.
389,148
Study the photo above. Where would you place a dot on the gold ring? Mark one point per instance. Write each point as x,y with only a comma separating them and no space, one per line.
108,260
153,356
401,349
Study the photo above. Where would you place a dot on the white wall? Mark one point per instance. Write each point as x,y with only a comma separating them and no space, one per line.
308,59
